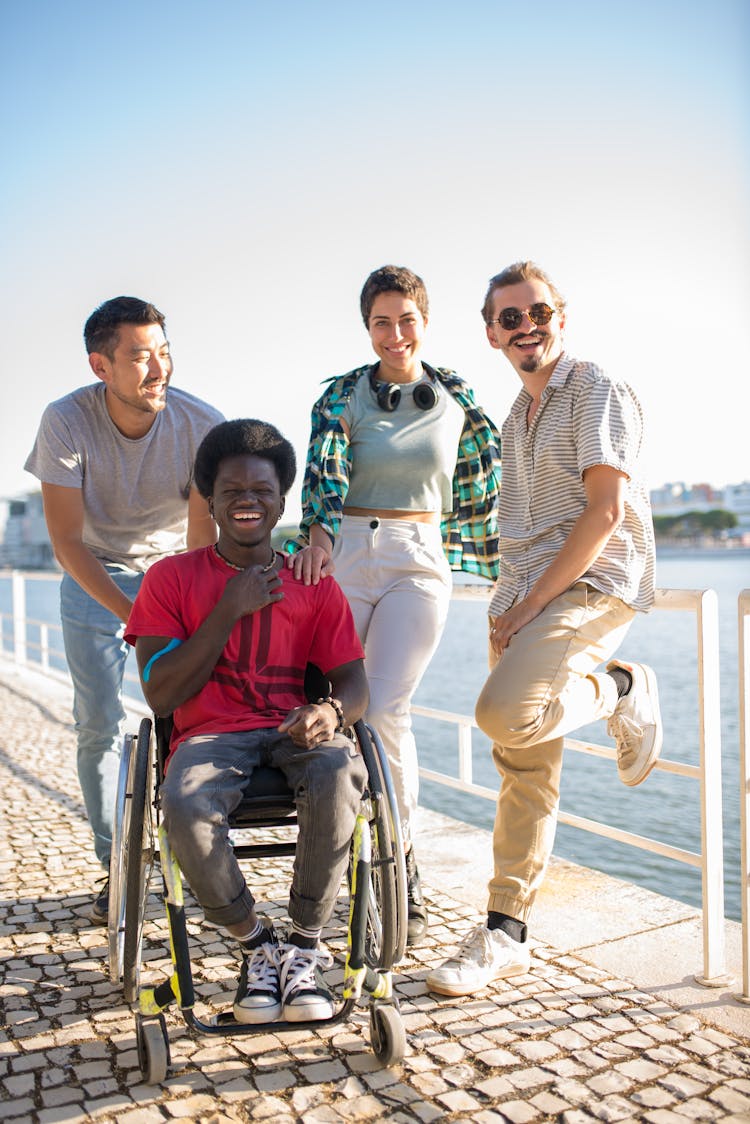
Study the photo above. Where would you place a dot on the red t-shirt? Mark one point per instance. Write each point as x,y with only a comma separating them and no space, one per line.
260,674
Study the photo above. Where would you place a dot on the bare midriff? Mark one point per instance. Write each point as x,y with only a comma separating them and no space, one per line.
387,513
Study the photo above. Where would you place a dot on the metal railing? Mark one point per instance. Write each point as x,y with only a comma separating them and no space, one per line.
743,621
709,860
40,653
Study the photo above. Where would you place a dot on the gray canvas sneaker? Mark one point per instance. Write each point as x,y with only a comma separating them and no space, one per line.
305,996
636,725
258,998
483,955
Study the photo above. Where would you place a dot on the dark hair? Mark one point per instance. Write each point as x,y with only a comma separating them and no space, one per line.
392,279
511,275
102,329
243,437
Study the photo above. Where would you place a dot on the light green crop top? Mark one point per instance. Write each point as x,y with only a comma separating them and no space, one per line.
404,460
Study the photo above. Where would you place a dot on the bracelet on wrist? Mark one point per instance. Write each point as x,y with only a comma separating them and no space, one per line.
338,709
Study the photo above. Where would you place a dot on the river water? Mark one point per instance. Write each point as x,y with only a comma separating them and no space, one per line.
664,807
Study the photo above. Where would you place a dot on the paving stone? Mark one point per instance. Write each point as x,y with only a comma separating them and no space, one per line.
698,1109
731,1100
682,1085
427,1113
20,1109
275,1079
519,1111
458,1100
653,1096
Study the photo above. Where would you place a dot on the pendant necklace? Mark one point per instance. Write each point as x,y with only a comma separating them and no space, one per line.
264,569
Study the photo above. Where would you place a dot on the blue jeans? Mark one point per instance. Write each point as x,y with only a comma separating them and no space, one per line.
205,781
96,654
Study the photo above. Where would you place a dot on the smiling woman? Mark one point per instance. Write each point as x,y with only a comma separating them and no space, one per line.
399,489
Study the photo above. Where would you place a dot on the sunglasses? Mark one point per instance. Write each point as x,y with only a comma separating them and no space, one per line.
510,318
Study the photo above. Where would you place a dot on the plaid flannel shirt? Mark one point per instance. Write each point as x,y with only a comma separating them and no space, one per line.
470,533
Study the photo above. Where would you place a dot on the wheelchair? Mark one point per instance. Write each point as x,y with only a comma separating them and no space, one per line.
377,911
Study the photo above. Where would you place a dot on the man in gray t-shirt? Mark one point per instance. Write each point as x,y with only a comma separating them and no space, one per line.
115,460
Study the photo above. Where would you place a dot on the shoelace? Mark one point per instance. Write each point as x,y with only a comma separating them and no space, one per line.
297,968
475,946
263,968
626,732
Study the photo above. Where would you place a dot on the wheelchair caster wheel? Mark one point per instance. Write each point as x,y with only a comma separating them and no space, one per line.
387,1034
153,1048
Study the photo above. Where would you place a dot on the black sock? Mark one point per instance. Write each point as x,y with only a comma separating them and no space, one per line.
623,680
515,929
302,941
260,935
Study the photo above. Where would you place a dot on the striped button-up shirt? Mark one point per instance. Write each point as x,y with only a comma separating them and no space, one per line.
584,418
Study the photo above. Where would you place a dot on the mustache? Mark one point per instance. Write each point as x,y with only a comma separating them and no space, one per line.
528,335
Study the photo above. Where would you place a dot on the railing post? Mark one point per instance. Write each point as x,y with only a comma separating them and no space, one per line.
712,840
18,584
465,759
743,621
44,647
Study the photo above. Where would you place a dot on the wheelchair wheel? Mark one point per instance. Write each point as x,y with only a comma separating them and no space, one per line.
139,862
153,1048
132,861
120,828
387,909
387,1034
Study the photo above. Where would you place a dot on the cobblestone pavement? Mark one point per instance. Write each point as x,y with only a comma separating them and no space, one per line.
567,1042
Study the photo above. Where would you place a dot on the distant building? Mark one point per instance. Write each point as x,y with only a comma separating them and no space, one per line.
24,541
737,500
679,498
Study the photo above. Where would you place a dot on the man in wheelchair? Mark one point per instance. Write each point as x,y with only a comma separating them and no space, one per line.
223,636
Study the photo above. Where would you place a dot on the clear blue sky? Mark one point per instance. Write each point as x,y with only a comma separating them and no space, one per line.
245,167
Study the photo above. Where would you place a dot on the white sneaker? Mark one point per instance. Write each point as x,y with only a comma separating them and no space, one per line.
258,998
305,997
636,724
484,955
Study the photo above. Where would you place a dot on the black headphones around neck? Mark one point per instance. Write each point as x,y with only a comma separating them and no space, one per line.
388,394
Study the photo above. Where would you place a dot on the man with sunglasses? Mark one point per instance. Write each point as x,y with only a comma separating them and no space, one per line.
577,563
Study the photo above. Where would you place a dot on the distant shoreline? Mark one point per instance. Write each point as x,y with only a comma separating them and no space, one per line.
667,547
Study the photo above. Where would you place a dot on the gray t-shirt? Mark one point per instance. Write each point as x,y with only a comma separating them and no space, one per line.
404,460
135,491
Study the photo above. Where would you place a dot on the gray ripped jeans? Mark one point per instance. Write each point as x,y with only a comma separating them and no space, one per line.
206,780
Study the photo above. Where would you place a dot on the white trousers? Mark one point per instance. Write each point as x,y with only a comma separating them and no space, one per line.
398,582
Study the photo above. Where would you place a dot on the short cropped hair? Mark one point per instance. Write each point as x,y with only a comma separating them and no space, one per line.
102,330
511,275
243,437
392,279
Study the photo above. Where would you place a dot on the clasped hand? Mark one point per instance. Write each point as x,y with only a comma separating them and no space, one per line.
310,725
251,590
